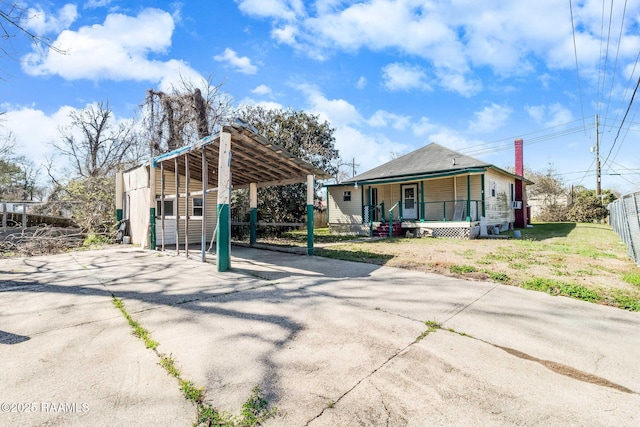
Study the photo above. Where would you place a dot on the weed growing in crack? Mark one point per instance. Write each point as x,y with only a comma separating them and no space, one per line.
169,365
255,411
138,330
432,326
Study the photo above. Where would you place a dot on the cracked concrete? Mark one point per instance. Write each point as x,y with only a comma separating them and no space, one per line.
330,343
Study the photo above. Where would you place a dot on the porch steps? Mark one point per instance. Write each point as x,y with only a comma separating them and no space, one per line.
383,230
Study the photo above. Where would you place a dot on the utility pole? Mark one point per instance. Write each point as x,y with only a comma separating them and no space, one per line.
598,174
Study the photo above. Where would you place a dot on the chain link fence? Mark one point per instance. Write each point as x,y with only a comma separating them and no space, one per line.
625,220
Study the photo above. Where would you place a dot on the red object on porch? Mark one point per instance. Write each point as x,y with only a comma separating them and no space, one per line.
383,230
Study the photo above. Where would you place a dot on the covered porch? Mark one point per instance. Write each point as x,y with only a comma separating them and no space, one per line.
442,206
188,191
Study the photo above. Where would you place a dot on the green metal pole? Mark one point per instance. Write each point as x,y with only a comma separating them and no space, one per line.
483,201
310,191
222,243
152,228
468,198
309,229
422,201
253,226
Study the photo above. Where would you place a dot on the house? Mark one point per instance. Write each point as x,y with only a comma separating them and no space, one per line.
434,191
181,199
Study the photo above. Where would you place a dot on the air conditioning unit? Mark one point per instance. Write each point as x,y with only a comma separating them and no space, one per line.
516,204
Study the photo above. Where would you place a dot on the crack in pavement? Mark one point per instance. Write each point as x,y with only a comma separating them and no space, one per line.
567,371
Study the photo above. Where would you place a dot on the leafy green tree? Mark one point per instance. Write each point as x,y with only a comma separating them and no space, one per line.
92,203
302,134
587,207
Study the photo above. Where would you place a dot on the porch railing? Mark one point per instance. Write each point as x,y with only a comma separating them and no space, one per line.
399,206
451,210
447,210
371,213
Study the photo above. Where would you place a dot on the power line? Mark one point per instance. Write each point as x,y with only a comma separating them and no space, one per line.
623,119
575,52
615,64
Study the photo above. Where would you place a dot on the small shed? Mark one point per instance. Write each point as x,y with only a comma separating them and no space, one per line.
182,197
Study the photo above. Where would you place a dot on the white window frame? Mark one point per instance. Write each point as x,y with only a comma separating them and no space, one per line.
195,207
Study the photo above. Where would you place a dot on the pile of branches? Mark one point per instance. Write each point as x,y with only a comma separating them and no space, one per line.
42,240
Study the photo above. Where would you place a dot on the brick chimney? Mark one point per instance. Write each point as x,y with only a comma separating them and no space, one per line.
519,164
521,215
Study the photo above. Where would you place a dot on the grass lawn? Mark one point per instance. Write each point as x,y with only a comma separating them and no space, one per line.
583,261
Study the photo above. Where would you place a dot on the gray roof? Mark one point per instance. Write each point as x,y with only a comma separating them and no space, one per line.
430,159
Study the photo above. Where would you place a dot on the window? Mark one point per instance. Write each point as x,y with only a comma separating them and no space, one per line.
492,186
196,206
168,208
512,188
346,196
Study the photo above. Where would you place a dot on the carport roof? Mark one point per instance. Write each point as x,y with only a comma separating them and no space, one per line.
254,160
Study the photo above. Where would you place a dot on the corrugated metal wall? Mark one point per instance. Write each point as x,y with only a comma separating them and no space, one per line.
624,217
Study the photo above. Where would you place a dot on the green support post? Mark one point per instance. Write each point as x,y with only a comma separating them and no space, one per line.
310,193
152,229
422,209
484,213
309,229
468,198
253,226
223,241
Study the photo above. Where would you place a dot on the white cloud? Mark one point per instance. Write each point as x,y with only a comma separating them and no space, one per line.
40,23
282,9
262,90
337,111
94,4
285,34
455,38
491,118
241,64
34,141
459,83
550,115
383,118
404,77
120,49
362,83
423,127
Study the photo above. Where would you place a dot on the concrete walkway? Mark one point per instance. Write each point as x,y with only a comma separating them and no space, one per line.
330,343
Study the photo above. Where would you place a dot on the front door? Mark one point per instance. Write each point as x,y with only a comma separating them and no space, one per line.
410,201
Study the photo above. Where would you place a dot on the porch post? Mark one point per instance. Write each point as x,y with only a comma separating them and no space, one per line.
162,213
119,196
469,198
152,207
205,179
484,213
177,182
422,201
253,213
223,243
309,214
370,213
186,204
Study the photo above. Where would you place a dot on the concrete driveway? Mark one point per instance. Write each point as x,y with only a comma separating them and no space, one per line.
330,343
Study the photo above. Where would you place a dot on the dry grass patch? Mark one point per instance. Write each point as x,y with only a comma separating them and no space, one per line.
584,261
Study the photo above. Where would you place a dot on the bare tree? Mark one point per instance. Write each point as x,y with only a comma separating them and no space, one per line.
95,145
13,19
184,115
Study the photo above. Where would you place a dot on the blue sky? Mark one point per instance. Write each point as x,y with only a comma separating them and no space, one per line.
390,76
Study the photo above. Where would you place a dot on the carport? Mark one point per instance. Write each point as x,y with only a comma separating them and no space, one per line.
236,157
